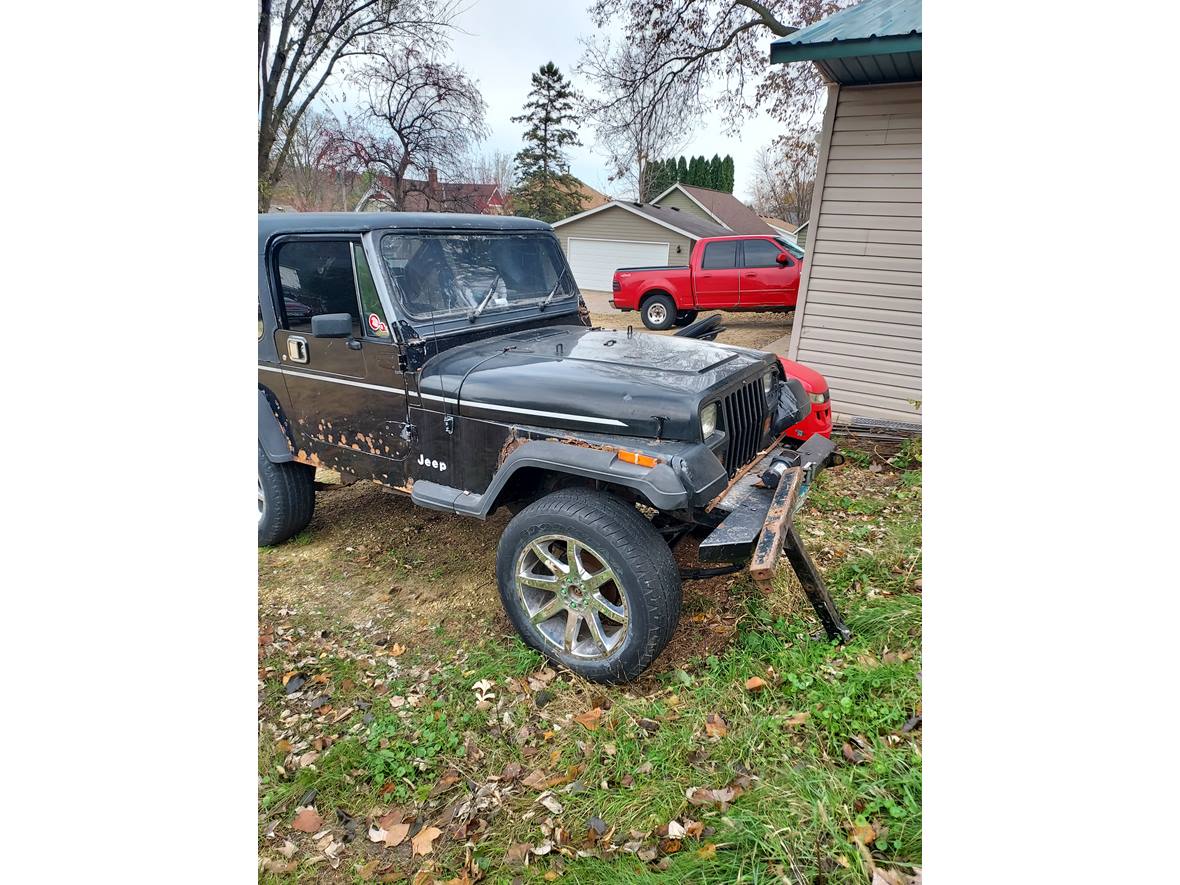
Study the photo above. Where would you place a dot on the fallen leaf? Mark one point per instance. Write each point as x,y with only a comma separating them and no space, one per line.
307,820
675,830
550,802
518,854
669,846
288,850
271,865
694,828
863,833
707,851
797,719
391,817
715,726
857,751
397,650
755,683
369,870
283,746
423,842
589,719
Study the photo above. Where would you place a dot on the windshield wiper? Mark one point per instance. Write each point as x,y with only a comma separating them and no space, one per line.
484,303
556,286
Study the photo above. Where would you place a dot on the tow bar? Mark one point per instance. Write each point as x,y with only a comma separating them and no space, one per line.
761,507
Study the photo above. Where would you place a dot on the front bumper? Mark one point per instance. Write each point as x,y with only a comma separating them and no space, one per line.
755,512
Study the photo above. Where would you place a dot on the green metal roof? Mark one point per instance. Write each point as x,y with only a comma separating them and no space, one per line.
876,41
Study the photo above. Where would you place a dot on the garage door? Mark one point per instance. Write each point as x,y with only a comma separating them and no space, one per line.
594,261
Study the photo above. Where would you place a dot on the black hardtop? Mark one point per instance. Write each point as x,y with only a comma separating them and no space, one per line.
274,223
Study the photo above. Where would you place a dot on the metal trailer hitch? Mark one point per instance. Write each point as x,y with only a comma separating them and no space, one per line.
761,506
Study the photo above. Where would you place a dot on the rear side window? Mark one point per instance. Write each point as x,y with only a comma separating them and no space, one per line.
720,255
762,253
316,277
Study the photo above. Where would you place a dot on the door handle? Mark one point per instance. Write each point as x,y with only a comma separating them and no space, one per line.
750,274
354,344
704,276
297,349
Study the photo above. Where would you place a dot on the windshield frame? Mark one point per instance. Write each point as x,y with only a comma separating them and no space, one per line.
492,315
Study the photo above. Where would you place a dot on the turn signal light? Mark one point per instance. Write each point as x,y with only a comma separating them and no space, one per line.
638,458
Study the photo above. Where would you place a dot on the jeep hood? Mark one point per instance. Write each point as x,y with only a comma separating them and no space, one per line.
578,378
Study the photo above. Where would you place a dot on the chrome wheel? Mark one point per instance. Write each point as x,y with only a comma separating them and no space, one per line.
261,500
572,597
657,314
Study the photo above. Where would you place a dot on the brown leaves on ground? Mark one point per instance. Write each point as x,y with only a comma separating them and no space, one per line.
796,720
882,876
715,726
755,684
590,719
392,837
423,841
863,833
307,820
857,751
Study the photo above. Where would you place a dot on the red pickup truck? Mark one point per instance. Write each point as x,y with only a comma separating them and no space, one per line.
724,273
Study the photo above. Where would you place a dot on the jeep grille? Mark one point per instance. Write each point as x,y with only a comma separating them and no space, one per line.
741,417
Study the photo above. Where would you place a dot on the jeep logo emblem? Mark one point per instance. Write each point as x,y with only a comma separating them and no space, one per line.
430,462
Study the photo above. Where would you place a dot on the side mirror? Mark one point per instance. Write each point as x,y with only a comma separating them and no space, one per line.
331,325
782,258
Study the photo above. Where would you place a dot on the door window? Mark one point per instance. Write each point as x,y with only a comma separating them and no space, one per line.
720,255
375,325
316,277
761,253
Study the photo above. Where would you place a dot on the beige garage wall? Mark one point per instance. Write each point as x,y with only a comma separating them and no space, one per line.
860,315
678,199
619,224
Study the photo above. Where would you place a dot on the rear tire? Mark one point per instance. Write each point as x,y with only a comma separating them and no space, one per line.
658,312
686,317
608,618
286,499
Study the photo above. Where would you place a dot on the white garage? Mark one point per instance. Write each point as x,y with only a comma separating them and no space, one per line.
616,234
594,262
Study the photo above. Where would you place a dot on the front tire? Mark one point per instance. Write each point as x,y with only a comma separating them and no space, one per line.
686,317
589,583
286,499
658,312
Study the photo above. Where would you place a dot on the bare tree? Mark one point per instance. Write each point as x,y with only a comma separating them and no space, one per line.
301,43
636,122
498,168
420,115
721,42
784,178
305,173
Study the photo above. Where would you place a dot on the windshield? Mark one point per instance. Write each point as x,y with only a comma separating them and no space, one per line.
440,275
795,250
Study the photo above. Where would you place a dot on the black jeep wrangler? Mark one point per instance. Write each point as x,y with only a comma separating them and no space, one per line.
450,358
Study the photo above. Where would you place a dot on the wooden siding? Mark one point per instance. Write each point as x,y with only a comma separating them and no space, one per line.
859,320
678,199
619,224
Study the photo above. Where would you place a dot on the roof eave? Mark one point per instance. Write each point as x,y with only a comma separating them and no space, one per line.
782,52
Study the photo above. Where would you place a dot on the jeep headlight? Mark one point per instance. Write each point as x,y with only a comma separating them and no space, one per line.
767,383
819,398
708,420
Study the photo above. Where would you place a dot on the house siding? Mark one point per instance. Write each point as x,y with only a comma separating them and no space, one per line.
677,199
619,224
860,315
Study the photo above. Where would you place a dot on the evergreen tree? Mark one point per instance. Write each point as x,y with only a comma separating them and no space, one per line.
682,169
727,166
716,174
696,169
547,191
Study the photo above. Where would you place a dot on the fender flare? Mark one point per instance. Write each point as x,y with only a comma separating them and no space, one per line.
679,482
272,436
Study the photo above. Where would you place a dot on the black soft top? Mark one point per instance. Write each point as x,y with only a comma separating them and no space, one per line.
273,223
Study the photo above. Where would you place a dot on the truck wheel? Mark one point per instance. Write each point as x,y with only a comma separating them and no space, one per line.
589,583
658,312
685,317
286,499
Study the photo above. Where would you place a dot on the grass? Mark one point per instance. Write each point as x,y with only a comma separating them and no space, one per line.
824,744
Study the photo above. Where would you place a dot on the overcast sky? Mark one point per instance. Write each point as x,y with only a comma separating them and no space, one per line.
507,41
